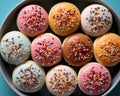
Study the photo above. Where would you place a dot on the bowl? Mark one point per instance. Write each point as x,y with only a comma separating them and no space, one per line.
10,24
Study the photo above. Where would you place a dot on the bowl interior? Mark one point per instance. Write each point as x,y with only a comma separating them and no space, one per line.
10,25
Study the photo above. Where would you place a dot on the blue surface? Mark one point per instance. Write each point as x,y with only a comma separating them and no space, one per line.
6,6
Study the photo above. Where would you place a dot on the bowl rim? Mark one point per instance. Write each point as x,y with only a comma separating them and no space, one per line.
116,80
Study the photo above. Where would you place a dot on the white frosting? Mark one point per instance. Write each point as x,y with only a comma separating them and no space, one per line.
96,20
61,80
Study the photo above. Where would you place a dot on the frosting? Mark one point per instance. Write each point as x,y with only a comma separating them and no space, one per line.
79,51
61,80
46,49
32,20
107,50
28,77
94,79
15,47
65,18
111,49
96,19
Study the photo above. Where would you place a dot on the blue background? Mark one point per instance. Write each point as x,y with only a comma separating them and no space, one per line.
6,6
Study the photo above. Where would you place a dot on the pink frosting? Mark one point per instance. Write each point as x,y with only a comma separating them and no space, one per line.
32,20
94,79
46,49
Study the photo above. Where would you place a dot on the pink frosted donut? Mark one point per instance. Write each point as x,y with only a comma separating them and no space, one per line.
32,20
46,49
94,79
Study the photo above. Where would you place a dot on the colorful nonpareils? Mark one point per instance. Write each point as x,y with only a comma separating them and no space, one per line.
32,20
28,77
15,47
61,80
77,49
64,18
94,79
46,49
96,20
62,43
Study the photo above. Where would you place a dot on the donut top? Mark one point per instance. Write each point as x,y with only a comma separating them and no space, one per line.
62,80
28,77
79,49
96,19
46,49
65,17
15,47
32,20
109,48
94,79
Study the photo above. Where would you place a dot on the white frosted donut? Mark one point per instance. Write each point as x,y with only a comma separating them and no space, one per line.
61,80
96,20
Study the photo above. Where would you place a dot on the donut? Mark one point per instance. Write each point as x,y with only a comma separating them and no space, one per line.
46,49
96,20
61,80
77,49
15,47
107,49
64,18
28,77
94,79
32,20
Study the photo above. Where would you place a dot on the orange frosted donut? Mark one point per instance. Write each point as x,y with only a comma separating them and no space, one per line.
64,18
107,49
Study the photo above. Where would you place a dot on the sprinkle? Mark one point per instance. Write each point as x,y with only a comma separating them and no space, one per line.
62,81
96,20
65,18
46,54
79,51
35,19
95,81
111,50
28,78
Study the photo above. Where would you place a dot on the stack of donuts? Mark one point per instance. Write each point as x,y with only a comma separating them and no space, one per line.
49,57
